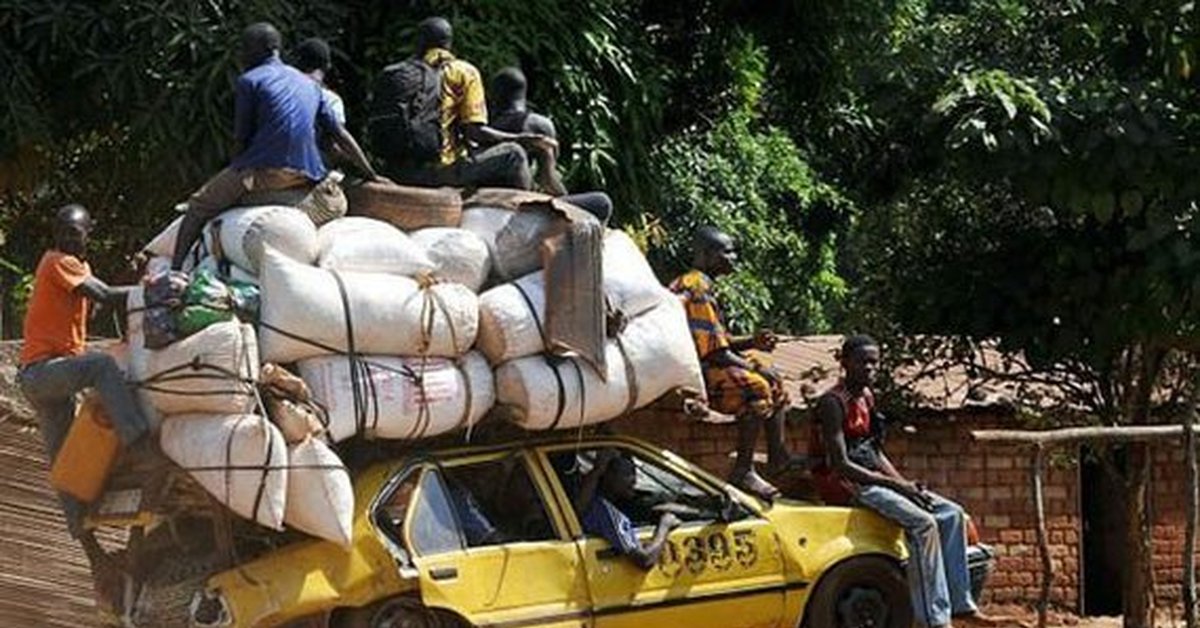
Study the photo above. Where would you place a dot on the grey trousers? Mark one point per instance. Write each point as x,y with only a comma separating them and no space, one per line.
504,165
50,386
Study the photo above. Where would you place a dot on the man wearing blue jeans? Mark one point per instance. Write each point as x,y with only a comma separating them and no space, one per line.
55,363
854,465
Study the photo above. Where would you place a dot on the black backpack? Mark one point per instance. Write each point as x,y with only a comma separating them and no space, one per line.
405,124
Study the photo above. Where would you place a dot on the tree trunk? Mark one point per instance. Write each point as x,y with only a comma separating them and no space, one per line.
1139,577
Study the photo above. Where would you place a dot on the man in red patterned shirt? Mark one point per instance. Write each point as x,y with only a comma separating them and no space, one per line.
852,468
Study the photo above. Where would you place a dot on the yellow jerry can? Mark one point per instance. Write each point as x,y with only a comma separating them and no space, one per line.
88,454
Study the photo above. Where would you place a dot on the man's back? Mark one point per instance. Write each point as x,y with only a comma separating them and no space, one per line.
278,110
463,101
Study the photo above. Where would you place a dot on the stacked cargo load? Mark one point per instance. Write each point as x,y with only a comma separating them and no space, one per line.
421,313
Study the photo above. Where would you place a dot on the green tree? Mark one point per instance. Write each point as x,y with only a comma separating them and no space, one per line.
748,178
1047,202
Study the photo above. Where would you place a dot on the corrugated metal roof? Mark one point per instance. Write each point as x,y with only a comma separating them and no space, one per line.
940,381
44,576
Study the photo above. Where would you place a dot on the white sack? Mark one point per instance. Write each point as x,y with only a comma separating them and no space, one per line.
213,371
385,312
162,249
393,404
661,357
163,244
513,238
320,498
458,256
367,245
246,232
135,340
240,459
157,265
630,285
512,316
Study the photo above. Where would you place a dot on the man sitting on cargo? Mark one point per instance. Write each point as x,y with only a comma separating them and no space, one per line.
612,479
313,57
429,121
854,469
55,363
509,91
277,113
739,384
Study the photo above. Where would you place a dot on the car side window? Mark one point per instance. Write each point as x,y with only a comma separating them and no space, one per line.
433,527
392,510
497,502
655,489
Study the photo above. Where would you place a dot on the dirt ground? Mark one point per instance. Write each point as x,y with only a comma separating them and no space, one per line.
1054,618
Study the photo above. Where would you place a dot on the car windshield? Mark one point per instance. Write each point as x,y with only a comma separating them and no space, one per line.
656,489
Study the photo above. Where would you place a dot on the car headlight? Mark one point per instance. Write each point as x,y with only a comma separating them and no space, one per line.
209,610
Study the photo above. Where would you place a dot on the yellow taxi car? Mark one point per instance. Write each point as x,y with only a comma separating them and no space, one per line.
488,536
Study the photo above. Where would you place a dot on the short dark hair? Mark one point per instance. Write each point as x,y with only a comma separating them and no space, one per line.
855,342
508,83
262,37
312,54
706,237
434,32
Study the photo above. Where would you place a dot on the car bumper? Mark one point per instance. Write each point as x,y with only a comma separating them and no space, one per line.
979,564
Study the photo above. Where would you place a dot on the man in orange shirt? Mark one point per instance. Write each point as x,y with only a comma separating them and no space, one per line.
55,364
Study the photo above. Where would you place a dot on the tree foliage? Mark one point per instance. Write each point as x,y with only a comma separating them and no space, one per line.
1046,201
748,178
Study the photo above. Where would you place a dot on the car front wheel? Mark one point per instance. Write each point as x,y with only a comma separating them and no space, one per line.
398,612
863,592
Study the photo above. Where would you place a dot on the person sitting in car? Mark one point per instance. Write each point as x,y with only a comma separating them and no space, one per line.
610,480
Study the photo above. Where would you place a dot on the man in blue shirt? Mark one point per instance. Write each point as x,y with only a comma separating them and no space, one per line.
612,478
278,111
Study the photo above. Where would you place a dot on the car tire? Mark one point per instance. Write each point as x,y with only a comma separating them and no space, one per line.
862,592
403,611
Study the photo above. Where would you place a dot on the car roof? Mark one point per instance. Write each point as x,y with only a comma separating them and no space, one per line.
400,454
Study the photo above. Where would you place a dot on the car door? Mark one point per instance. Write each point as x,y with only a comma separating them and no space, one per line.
717,573
526,574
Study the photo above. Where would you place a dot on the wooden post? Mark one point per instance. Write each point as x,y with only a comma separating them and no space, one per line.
1189,546
1039,502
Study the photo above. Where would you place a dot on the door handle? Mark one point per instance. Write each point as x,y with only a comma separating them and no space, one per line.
443,573
608,553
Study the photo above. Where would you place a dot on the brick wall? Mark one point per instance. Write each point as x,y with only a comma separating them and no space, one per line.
993,484
1169,503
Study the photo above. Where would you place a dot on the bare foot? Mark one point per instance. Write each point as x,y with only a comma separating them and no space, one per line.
753,483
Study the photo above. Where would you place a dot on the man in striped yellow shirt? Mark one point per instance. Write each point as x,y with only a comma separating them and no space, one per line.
473,154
